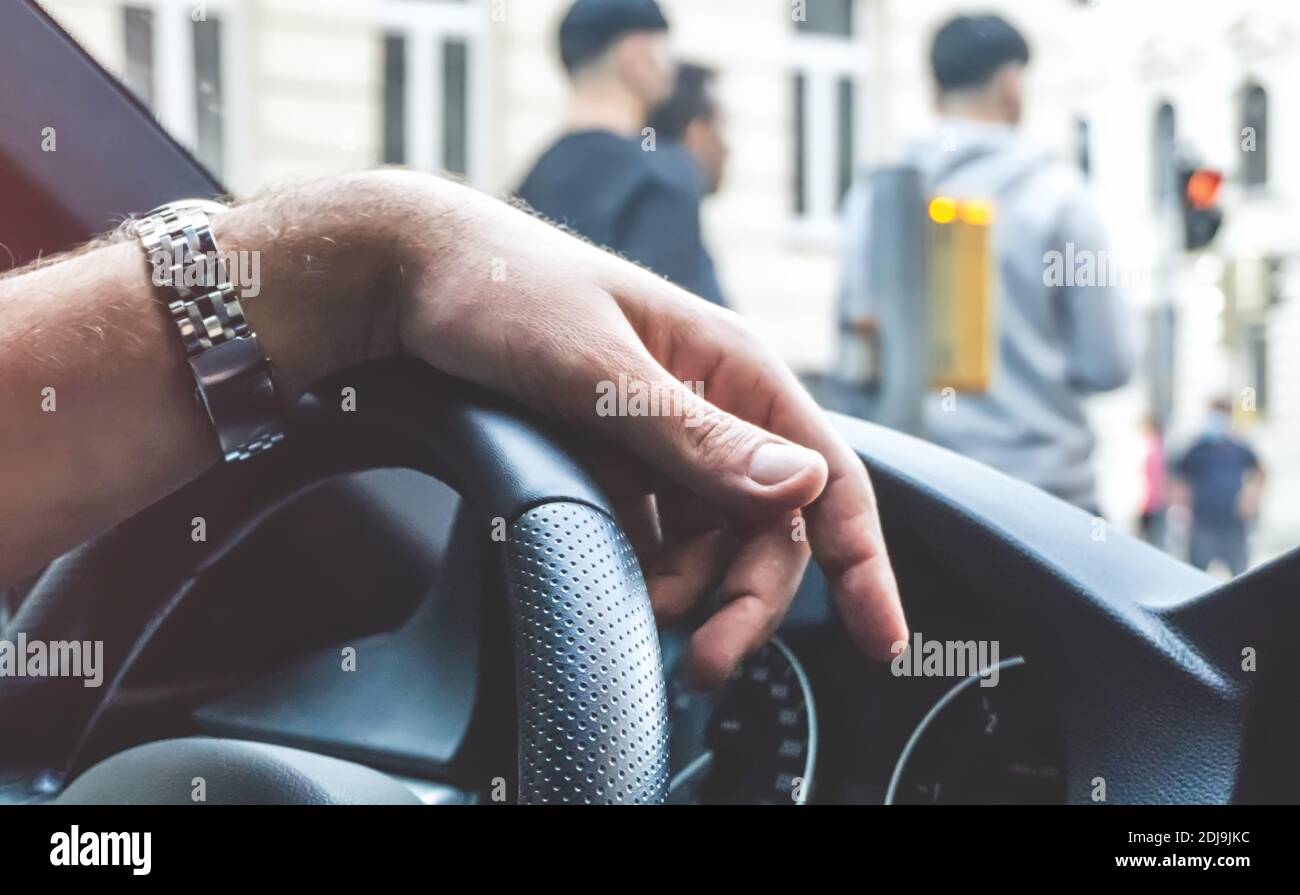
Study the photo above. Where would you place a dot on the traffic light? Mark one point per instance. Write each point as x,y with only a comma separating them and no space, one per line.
1201,215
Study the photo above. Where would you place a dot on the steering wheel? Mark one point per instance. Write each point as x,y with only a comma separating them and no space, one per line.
590,696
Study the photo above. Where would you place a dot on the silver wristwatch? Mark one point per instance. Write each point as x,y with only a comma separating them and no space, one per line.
234,378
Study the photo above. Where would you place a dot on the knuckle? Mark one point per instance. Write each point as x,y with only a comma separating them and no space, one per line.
761,620
717,437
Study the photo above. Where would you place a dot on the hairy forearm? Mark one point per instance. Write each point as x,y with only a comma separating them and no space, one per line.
100,416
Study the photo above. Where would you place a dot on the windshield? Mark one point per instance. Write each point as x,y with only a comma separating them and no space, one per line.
1120,333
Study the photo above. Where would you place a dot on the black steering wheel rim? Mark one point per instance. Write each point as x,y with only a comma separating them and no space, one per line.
590,696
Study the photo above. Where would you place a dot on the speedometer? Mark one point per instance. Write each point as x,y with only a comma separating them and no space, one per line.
754,742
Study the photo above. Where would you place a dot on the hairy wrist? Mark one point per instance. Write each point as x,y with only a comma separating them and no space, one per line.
328,262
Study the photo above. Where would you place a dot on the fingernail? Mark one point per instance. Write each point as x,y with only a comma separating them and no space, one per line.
775,463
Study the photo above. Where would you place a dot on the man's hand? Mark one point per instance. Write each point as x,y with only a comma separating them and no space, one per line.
728,489
360,267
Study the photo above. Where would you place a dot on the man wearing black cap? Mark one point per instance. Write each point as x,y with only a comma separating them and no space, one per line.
606,178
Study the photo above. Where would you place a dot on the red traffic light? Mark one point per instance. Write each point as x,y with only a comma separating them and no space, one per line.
1203,188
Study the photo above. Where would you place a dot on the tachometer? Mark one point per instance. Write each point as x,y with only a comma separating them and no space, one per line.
982,746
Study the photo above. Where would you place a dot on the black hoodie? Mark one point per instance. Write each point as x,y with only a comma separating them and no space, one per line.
643,204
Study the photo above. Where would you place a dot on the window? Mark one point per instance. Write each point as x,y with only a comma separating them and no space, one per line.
845,118
455,106
1254,135
209,126
827,59
394,99
176,63
138,31
834,17
1255,338
1164,146
431,72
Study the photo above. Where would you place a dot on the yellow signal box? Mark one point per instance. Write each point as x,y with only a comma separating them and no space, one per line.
963,293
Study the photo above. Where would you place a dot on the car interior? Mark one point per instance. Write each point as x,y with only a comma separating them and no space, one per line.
349,632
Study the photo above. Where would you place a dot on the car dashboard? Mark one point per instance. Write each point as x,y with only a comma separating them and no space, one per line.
353,627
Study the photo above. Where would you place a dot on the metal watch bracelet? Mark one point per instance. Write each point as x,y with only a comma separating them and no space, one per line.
234,379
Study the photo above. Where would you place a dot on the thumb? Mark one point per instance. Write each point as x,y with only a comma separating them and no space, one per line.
719,456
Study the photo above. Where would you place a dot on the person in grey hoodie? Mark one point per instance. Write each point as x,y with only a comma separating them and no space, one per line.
1059,338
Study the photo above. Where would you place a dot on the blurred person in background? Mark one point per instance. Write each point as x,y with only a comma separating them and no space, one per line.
691,118
1223,480
1155,498
607,178
1056,344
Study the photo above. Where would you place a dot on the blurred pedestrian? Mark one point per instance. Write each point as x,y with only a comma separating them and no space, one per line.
1056,343
692,119
607,177
1155,499
1225,480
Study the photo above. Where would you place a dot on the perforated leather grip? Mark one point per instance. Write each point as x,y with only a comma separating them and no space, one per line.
591,705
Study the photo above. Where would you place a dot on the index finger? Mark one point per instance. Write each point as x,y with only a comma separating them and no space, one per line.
844,528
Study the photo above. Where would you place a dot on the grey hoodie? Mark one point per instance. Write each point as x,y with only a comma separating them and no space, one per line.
1056,343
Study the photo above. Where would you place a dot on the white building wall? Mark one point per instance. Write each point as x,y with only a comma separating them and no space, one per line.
314,88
